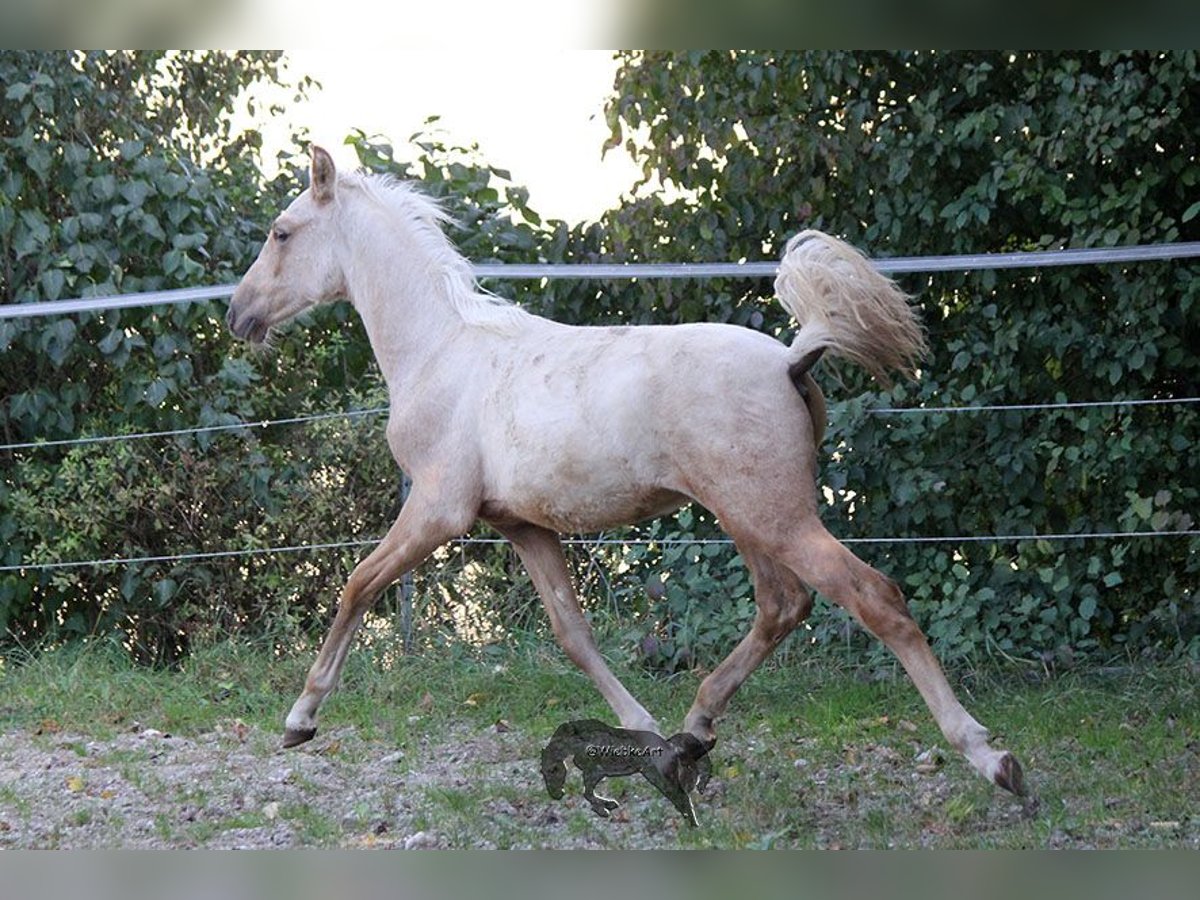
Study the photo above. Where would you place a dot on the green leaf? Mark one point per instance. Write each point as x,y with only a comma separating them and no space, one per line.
1087,608
157,392
136,192
130,149
1143,507
111,341
164,590
53,281
57,340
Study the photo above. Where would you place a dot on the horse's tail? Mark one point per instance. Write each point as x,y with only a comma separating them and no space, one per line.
844,305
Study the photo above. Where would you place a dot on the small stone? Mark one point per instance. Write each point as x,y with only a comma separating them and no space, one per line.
422,840
929,761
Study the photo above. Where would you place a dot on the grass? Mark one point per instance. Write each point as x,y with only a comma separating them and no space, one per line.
809,756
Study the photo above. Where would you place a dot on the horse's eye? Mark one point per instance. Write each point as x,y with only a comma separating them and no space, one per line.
281,235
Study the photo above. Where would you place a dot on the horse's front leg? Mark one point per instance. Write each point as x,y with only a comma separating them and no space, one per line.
541,552
421,528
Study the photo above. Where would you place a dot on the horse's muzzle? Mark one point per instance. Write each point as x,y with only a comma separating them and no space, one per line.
248,328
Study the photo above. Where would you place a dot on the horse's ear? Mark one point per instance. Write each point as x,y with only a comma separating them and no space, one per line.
324,175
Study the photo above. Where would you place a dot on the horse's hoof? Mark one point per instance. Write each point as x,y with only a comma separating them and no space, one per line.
294,737
1009,776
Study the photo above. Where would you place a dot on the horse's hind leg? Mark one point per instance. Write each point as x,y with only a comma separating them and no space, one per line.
875,600
416,533
541,552
782,604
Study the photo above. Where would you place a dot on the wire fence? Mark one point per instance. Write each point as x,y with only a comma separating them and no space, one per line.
1035,259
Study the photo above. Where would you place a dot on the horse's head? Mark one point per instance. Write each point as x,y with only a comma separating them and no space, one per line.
297,267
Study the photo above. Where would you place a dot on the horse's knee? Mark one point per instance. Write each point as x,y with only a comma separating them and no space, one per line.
366,582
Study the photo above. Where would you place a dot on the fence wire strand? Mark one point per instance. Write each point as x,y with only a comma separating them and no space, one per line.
587,542
380,410
200,429
1033,259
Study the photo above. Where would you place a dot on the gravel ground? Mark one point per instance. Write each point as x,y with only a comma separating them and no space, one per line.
480,787
233,788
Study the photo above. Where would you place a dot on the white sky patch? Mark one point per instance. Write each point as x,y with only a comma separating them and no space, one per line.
515,77
539,114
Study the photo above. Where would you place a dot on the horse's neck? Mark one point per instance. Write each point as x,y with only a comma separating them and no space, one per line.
399,300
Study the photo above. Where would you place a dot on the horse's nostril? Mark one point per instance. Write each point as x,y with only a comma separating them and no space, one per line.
249,328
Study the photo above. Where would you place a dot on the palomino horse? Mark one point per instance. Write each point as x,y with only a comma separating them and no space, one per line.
539,428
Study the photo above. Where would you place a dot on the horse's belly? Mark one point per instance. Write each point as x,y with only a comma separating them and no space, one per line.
579,509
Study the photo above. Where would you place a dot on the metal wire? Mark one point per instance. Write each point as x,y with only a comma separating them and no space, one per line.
892,266
202,429
379,410
1027,407
520,271
589,542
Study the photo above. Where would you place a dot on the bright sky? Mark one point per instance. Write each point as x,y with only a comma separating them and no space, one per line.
538,113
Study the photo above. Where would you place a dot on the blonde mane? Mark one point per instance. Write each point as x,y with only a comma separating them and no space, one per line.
423,219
